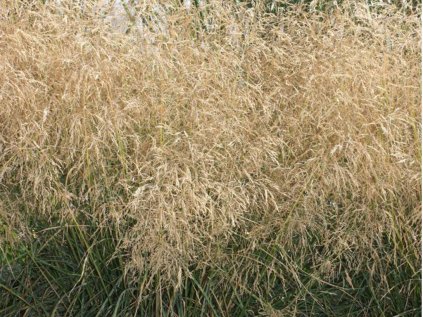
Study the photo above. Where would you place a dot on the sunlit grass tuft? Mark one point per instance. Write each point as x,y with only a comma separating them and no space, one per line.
226,162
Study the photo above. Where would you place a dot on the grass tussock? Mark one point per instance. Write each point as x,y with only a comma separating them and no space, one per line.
238,162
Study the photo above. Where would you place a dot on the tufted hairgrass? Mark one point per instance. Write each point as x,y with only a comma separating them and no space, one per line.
223,161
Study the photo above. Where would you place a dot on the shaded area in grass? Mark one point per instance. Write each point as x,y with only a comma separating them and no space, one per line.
76,268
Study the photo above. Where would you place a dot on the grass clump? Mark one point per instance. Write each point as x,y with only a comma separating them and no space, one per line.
230,163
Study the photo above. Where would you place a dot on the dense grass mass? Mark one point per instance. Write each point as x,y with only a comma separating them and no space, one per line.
231,159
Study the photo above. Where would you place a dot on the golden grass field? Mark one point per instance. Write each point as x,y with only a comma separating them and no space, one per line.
245,161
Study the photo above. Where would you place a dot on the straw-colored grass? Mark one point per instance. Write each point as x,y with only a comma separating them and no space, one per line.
233,163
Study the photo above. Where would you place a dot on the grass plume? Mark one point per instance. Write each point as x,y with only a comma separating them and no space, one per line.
224,161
